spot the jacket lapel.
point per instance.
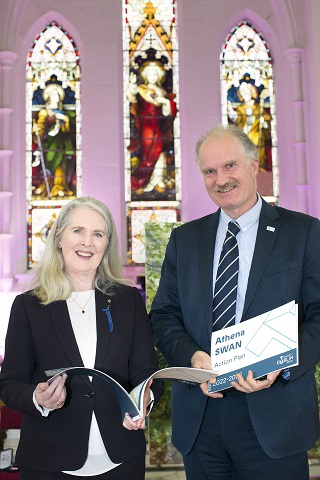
(61, 320)
(104, 325)
(267, 233)
(207, 243)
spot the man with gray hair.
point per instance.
(259, 428)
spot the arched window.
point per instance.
(53, 131)
(151, 118)
(248, 100)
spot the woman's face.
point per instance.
(83, 244)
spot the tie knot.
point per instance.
(233, 228)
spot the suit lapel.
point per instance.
(61, 320)
(207, 243)
(104, 327)
(267, 233)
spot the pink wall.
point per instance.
(289, 28)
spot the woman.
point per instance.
(80, 312)
(54, 139)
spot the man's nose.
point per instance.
(221, 178)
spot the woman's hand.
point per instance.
(130, 424)
(52, 396)
(140, 423)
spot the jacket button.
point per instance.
(89, 395)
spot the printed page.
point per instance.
(133, 402)
(263, 344)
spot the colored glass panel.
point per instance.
(40, 221)
(151, 105)
(248, 99)
(137, 218)
(53, 124)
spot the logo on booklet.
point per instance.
(285, 359)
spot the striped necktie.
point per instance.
(225, 292)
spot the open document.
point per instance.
(263, 344)
(133, 402)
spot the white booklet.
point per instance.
(263, 344)
(133, 402)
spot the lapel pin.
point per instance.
(108, 313)
(270, 229)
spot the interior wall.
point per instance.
(289, 28)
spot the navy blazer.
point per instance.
(285, 267)
(41, 338)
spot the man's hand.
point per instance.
(202, 360)
(250, 384)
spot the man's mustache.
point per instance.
(224, 188)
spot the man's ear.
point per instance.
(255, 166)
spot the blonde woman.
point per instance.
(79, 312)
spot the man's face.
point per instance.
(229, 177)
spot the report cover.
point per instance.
(263, 344)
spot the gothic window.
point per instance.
(248, 100)
(53, 131)
(151, 118)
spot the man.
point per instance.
(258, 429)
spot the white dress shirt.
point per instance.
(248, 223)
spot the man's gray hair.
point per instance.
(219, 131)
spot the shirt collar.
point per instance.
(247, 219)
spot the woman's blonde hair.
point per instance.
(50, 280)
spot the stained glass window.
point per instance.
(248, 99)
(138, 217)
(151, 113)
(53, 131)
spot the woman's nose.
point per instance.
(86, 240)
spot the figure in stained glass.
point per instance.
(53, 146)
(249, 111)
(153, 111)
(248, 98)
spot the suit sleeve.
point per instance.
(16, 382)
(143, 361)
(169, 331)
(309, 308)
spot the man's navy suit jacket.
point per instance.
(285, 267)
